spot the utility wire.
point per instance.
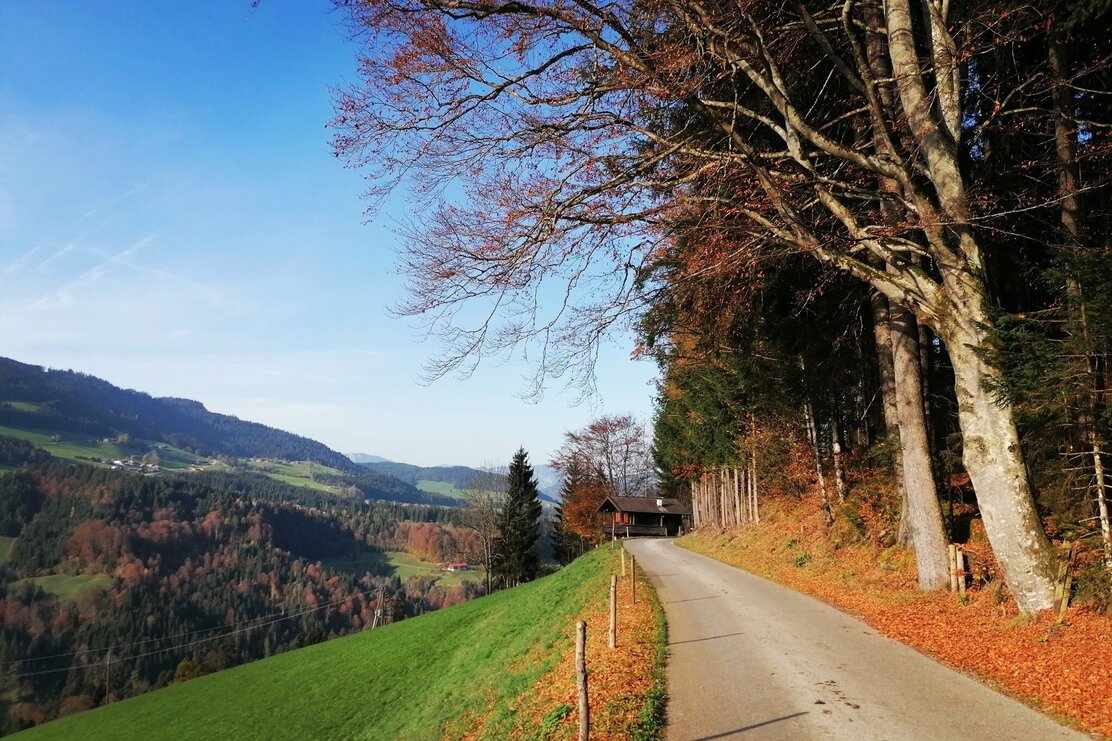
(183, 645)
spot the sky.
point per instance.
(172, 220)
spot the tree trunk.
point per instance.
(923, 516)
(753, 488)
(1072, 217)
(836, 449)
(995, 465)
(813, 436)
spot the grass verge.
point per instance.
(626, 684)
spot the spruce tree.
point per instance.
(515, 553)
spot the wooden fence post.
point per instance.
(1064, 581)
(961, 570)
(581, 680)
(613, 611)
(633, 576)
(952, 557)
(623, 562)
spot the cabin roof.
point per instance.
(644, 504)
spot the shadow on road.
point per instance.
(755, 726)
(708, 638)
(692, 599)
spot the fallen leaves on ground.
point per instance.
(618, 679)
(1064, 669)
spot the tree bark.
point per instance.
(996, 467)
(813, 437)
(836, 450)
(923, 519)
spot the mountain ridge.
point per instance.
(33, 396)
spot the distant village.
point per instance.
(135, 464)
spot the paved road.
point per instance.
(753, 660)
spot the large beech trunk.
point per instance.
(995, 465)
(922, 513)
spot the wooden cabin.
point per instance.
(644, 516)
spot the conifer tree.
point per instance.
(515, 552)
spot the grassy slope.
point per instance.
(295, 473)
(444, 488)
(455, 671)
(73, 446)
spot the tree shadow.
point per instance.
(708, 638)
(752, 727)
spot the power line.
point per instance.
(184, 645)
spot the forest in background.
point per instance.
(115, 583)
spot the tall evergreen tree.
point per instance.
(515, 553)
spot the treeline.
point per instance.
(460, 477)
(383, 486)
(15, 452)
(182, 575)
(65, 400)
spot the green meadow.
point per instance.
(87, 449)
(295, 473)
(402, 565)
(454, 671)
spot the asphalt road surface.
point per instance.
(753, 660)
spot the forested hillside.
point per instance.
(114, 583)
(461, 477)
(32, 397)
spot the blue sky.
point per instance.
(172, 220)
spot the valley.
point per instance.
(184, 544)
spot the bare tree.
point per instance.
(485, 495)
(612, 452)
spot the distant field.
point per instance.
(77, 447)
(406, 565)
(295, 474)
(403, 565)
(25, 406)
(443, 488)
(440, 487)
(5, 548)
(456, 578)
(65, 585)
(459, 671)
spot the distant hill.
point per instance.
(33, 397)
(549, 481)
(457, 477)
(366, 458)
(461, 477)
